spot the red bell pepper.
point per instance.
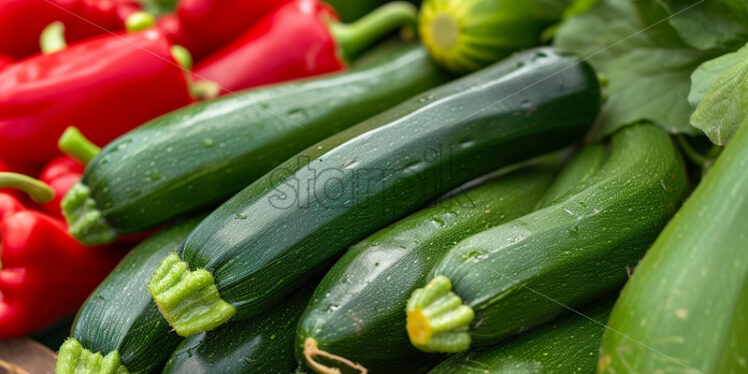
(105, 86)
(299, 39)
(61, 173)
(38, 258)
(202, 26)
(5, 61)
(4, 168)
(22, 21)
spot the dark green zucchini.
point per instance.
(289, 225)
(583, 166)
(261, 345)
(685, 310)
(567, 345)
(200, 155)
(523, 273)
(357, 310)
(119, 328)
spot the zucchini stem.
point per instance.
(84, 219)
(73, 358)
(437, 320)
(189, 300)
(311, 350)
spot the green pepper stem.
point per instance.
(39, 191)
(189, 300)
(182, 56)
(74, 144)
(437, 320)
(204, 90)
(52, 38)
(355, 37)
(73, 358)
(139, 21)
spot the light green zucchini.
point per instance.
(685, 310)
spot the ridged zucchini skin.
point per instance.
(686, 307)
(120, 318)
(357, 310)
(567, 345)
(258, 345)
(269, 238)
(578, 249)
(200, 155)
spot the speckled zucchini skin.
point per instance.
(120, 315)
(356, 312)
(577, 249)
(686, 307)
(259, 345)
(200, 155)
(283, 229)
(568, 345)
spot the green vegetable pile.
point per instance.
(481, 203)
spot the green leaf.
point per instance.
(724, 108)
(648, 68)
(649, 85)
(705, 75)
(709, 24)
(576, 8)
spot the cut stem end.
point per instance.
(437, 320)
(86, 222)
(188, 299)
(73, 359)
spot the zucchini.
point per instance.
(356, 311)
(464, 36)
(569, 344)
(523, 273)
(686, 307)
(200, 155)
(581, 168)
(119, 327)
(289, 225)
(259, 345)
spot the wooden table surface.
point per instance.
(25, 356)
